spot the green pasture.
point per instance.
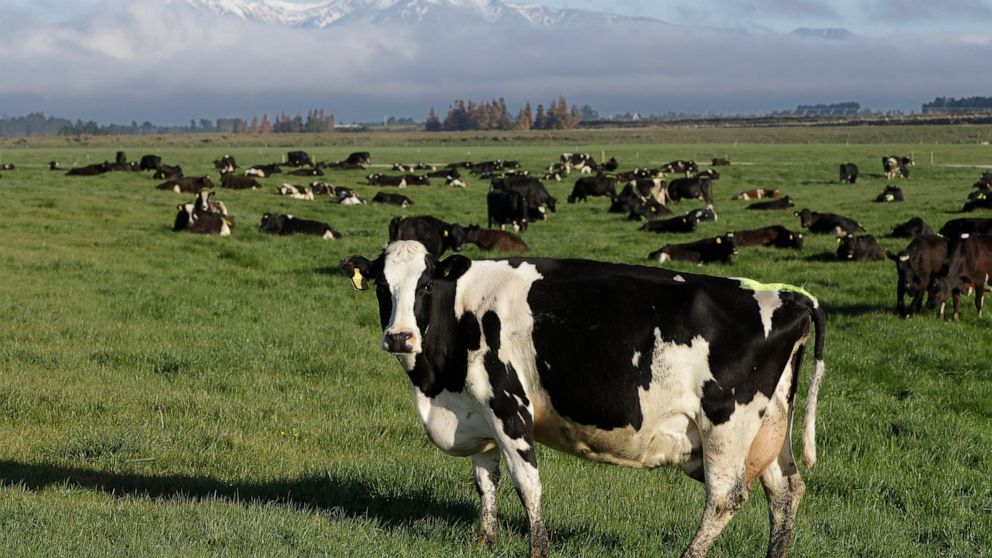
(166, 394)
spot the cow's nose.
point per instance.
(397, 342)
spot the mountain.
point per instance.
(828, 34)
(331, 13)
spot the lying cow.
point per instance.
(187, 184)
(896, 166)
(775, 236)
(416, 180)
(718, 249)
(862, 248)
(190, 219)
(309, 171)
(684, 224)
(392, 199)
(436, 235)
(287, 224)
(687, 167)
(916, 267)
(295, 192)
(890, 194)
(504, 354)
(720, 162)
(227, 163)
(299, 159)
(168, 172)
(782, 203)
(500, 241)
(359, 158)
(849, 173)
(379, 179)
(704, 213)
(54, 166)
(234, 182)
(969, 266)
(205, 203)
(911, 229)
(981, 201)
(827, 223)
(968, 225)
(90, 170)
(263, 171)
(758, 194)
(150, 162)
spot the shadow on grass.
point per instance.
(823, 257)
(855, 310)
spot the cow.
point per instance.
(775, 236)
(150, 162)
(641, 189)
(263, 171)
(436, 235)
(863, 248)
(954, 228)
(827, 223)
(720, 162)
(849, 173)
(690, 189)
(599, 185)
(392, 199)
(611, 165)
(782, 203)
(90, 170)
(507, 207)
(166, 172)
(416, 180)
(915, 267)
(295, 192)
(969, 266)
(717, 249)
(709, 174)
(911, 229)
(190, 219)
(687, 167)
(283, 225)
(7, 166)
(379, 179)
(757, 194)
(234, 182)
(981, 201)
(308, 171)
(982, 190)
(486, 167)
(349, 197)
(324, 189)
(187, 184)
(54, 166)
(359, 159)
(704, 213)
(890, 194)
(454, 182)
(227, 163)
(638, 209)
(533, 190)
(701, 374)
(299, 159)
(500, 241)
(402, 167)
(896, 166)
(205, 203)
(445, 173)
(684, 224)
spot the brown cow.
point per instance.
(500, 241)
(968, 267)
(757, 194)
(775, 236)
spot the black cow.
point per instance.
(532, 189)
(690, 189)
(896, 166)
(227, 163)
(165, 172)
(684, 224)
(287, 224)
(599, 185)
(827, 223)
(235, 182)
(849, 173)
(916, 266)
(187, 184)
(90, 170)
(700, 373)
(981, 201)
(150, 162)
(890, 194)
(299, 159)
(720, 162)
(446, 173)
(507, 208)
(954, 228)
(718, 249)
(379, 179)
(416, 180)
(704, 213)
(311, 171)
(54, 165)
(862, 248)
(436, 235)
(782, 203)
(969, 266)
(775, 236)
(610, 166)
(7, 166)
(392, 199)
(638, 209)
(709, 174)
(359, 158)
(911, 229)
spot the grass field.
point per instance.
(165, 394)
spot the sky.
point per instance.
(123, 60)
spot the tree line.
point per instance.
(950, 104)
(494, 115)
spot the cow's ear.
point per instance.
(452, 268)
(358, 269)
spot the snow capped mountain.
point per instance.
(329, 13)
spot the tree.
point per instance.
(525, 119)
(433, 123)
(540, 119)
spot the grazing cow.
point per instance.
(299, 159)
(690, 189)
(415, 180)
(687, 167)
(360, 159)
(701, 374)
(684, 224)
(720, 162)
(911, 229)
(981, 201)
(188, 184)
(436, 235)
(311, 171)
(166, 172)
(227, 163)
(782, 203)
(862, 248)
(849, 173)
(54, 166)
(234, 182)
(757, 194)
(717, 249)
(379, 179)
(954, 228)
(827, 223)
(599, 185)
(500, 241)
(896, 166)
(969, 266)
(295, 192)
(283, 225)
(150, 162)
(90, 170)
(610, 166)
(890, 194)
(263, 171)
(775, 236)
(190, 219)
(916, 266)
(507, 207)
(533, 190)
(392, 199)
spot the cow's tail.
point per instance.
(809, 424)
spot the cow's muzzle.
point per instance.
(398, 342)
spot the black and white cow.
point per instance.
(191, 219)
(392, 199)
(827, 223)
(684, 224)
(54, 165)
(295, 191)
(306, 171)
(227, 163)
(379, 179)
(168, 172)
(849, 173)
(717, 249)
(890, 194)
(359, 158)
(896, 166)
(263, 171)
(187, 184)
(701, 374)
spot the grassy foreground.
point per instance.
(166, 394)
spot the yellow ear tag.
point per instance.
(356, 280)
(791, 237)
(445, 234)
(719, 240)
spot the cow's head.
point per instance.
(796, 240)
(805, 217)
(939, 289)
(407, 278)
(908, 280)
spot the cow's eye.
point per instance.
(426, 289)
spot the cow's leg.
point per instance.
(522, 464)
(956, 316)
(916, 305)
(979, 297)
(486, 471)
(784, 488)
(725, 494)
